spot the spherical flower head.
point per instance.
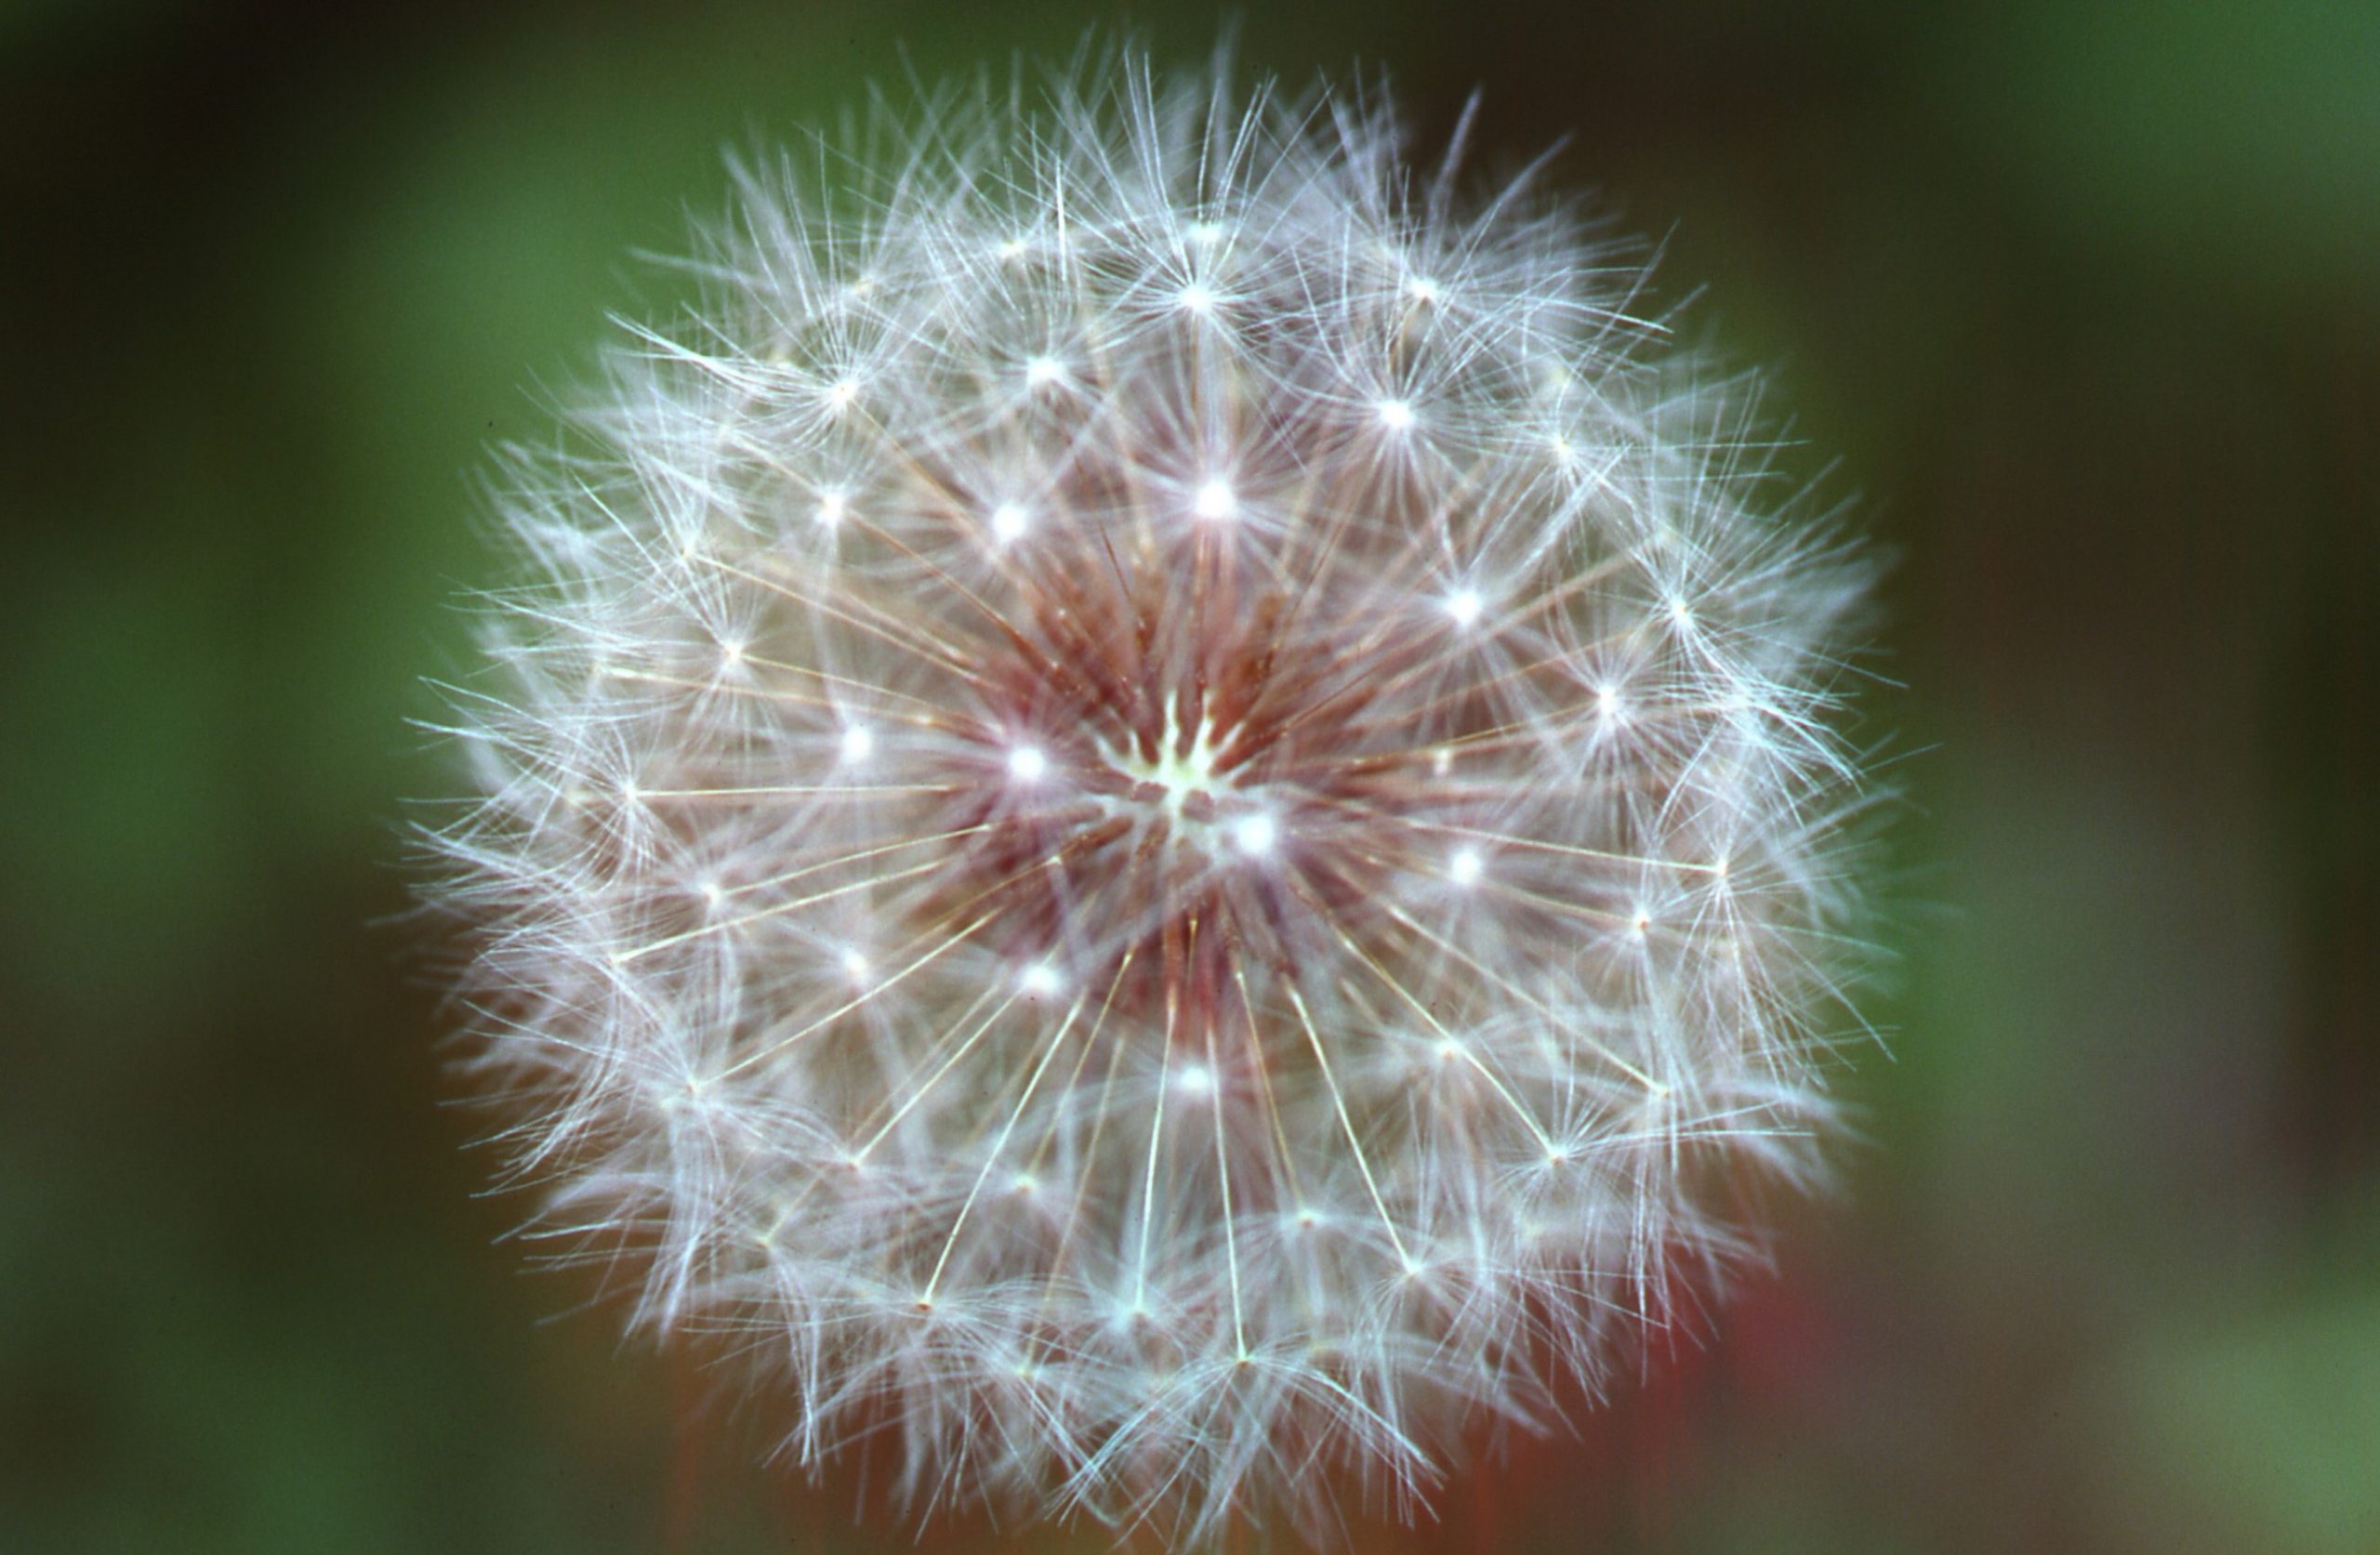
(1161, 815)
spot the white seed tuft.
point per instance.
(1214, 500)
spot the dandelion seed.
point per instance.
(1237, 1120)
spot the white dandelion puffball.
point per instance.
(1164, 816)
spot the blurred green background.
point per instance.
(2086, 297)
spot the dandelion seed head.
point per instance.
(1142, 972)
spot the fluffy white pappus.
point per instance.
(1163, 816)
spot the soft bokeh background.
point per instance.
(2086, 297)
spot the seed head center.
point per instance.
(1194, 802)
(1179, 774)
